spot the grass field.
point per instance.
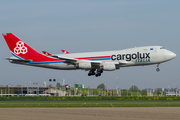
(107, 103)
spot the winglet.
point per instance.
(65, 52)
(46, 53)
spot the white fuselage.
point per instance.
(137, 56)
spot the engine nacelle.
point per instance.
(84, 65)
(109, 67)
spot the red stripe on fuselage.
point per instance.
(49, 59)
(94, 57)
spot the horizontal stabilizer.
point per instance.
(17, 60)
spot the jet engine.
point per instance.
(109, 66)
(84, 65)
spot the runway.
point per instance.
(126, 113)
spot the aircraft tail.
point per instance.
(21, 50)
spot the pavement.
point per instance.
(107, 113)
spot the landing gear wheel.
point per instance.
(157, 69)
(96, 75)
(91, 72)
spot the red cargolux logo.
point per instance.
(20, 48)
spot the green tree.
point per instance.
(158, 93)
(58, 85)
(125, 93)
(101, 86)
(144, 93)
(84, 92)
(134, 88)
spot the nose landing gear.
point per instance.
(157, 69)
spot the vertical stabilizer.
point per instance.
(22, 50)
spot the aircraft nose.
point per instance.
(171, 55)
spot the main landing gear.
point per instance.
(98, 72)
(91, 72)
(157, 69)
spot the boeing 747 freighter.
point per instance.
(94, 62)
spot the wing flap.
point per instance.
(65, 58)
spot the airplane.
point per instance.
(94, 62)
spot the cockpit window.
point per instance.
(161, 47)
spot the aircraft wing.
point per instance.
(63, 58)
(67, 59)
(74, 60)
(95, 63)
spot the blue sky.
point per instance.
(85, 26)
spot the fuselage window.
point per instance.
(161, 47)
